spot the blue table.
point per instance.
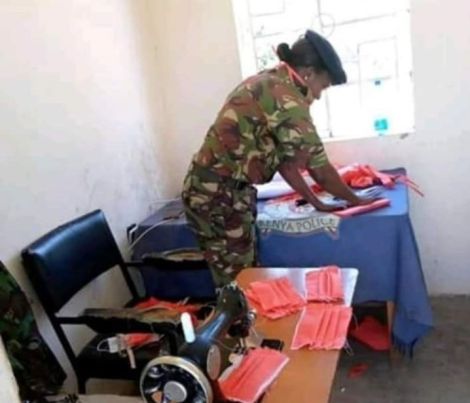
(380, 244)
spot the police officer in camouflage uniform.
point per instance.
(264, 127)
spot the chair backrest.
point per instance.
(66, 259)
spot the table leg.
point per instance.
(394, 353)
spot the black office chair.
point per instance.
(61, 263)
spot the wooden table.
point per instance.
(308, 377)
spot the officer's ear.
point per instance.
(309, 74)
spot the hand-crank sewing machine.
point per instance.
(189, 376)
(197, 356)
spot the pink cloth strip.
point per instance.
(378, 204)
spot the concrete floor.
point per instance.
(438, 373)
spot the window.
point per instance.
(372, 38)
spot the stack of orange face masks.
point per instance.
(250, 379)
(323, 324)
(274, 298)
(322, 327)
(324, 285)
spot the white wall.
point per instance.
(81, 126)
(196, 50)
(436, 155)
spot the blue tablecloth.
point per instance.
(380, 244)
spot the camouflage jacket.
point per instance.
(264, 121)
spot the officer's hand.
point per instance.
(327, 208)
(319, 206)
(365, 201)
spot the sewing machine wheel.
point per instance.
(176, 380)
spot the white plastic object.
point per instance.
(114, 345)
(188, 328)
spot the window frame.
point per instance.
(249, 62)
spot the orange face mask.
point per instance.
(322, 327)
(274, 298)
(324, 285)
(257, 370)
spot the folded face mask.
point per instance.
(324, 285)
(322, 327)
(274, 298)
(253, 375)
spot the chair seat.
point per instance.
(98, 364)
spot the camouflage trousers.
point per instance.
(223, 220)
(37, 371)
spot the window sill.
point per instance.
(400, 136)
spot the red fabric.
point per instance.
(357, 370)
(293, 74)
(274, 298)
(378, 204)
(322, 327)
(175, 306)
(359, 176)
(408, 182)
(372, 333)
(256, 372)
(325, 285)
(139, 339)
